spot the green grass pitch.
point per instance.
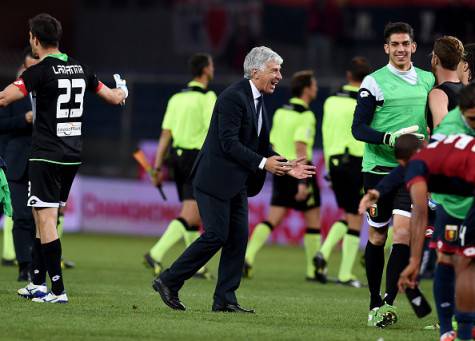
(111, 299)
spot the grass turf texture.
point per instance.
(111, 299)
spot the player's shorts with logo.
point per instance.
(50, 183)
(446, 232)
(397, 202)
(467, 234)
(181, 164)
(284, 189)
(347, 181)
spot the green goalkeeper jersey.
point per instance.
(292, 123)
(401, 98)
(453, 123)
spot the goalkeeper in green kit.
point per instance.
(391, 102)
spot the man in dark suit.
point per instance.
(16, 123)
(230, 167)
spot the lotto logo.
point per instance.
(56, 278)
(364, 94)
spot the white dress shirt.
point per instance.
(256, 94)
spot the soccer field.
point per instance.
(111, 299)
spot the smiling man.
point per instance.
(230, 167)
(391, 102)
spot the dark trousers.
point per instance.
(226, 226)
(23, 222)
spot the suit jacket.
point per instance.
(17, 136)
(229, 159)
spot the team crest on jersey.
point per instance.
(451, 233)
(364, 94)
(373, 210)
(18, 82)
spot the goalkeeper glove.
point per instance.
(390, 138)
(121, 84)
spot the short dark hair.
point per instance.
(300, 81)
(406, 146)
(359, 68)
(198, 62)
(450, 51)
(467, 97)
(46, 29)
(469, 58)
(397, 27)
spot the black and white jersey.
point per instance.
(58, 84)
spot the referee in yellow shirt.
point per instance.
(343, 157)
(186, 123)
(292, 136)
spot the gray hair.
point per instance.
(257, 58)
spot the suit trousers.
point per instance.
(23, 222)
(225, 227)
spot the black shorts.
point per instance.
(467, 234)
(347, 181)
(397, 202)
(49, 183)
(284, 189)
(181, 164)
(446, 232)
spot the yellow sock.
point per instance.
(8, 246)
(259, 237)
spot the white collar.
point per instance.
(399, 72)
(255, 93)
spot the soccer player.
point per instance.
(58, 83)
(447, 54)
(186, 122)
(391, 102)
(450, 212)
(292, 136)
(443, 167)
(343, 157)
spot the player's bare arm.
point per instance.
(163, 144)
(114, 96)
(10, 94)
(438, 103)
(418, 193)
(301, 152)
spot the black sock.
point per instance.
(374, 259)
(398, 260)
(52, 254)
(38, 264)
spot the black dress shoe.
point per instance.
(231, 308)
(168, 297)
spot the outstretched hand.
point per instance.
(369, 199)
(277, 165)
(408, 277)
(301, 170)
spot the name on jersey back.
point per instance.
(68, 69)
